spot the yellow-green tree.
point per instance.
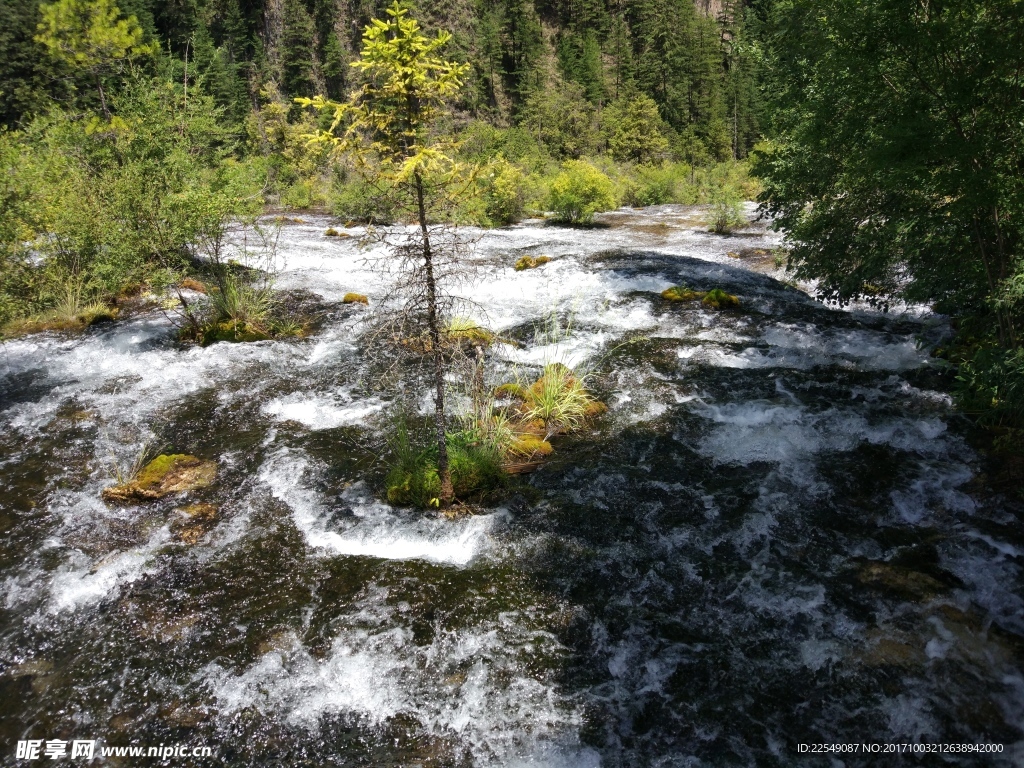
(385, 125)
(92, 36)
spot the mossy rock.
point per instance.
(233, 331)
(886, 648)
(191, 284)
(530, 262)
(530, 445)
(332, 232)
(681, 293)
(516, 391)
(719, 299)
(463, 331)
(194, 521)
(354, 298)
(164, 475)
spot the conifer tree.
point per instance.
(386, 125)
(91, 35)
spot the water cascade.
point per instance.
(776, 535)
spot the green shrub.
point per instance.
(504, 193)
(354, 199)
(481, 142)
(726, 212)
(658, 185)
(412, 479)
(991, 385)
(300, 195)
(580, 191)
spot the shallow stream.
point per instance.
(777, 535)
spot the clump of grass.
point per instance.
(332, 232)
(239, 311)
(72, 310)
(559, 401)
(413, 480)
(127, 472)
(530, 262)
(354, 298)
(243, 304)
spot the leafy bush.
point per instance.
(355, 199)
(580, 191)
(658, 184)
(480, 142)
(302, 194)
(726, 211)
(106, 203)
(504, 193)
(991, 385)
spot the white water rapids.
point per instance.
(775, 534)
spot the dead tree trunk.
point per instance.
(437, 351)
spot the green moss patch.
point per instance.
(719, 299)
(681, 293)
(164, 475)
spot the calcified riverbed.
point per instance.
(776, 535)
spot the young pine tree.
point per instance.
(385, 126)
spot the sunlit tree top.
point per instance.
(406, 85)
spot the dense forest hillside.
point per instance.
(539, 60)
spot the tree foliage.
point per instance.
(899, 146)
(898, 161)
(91, 35)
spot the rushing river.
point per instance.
(777, 535)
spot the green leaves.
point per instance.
(580, 191)
(90, 34)
(898, 130)
(406, 85)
